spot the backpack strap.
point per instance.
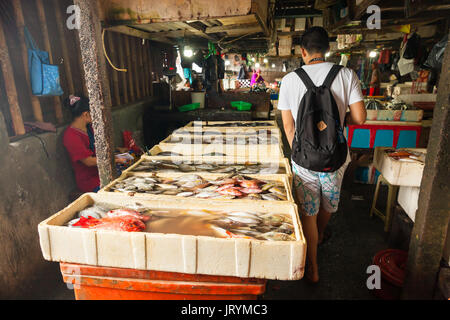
(331, 75)
(305, 78)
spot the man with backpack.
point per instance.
(314, 100)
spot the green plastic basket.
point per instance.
(241, 105)
(189, 107)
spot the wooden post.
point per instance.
(432, 217)
(141, 68)
(97, 84)
(150, 66)
(130, 68)
(60, 23)
(144, 69)
(48, 48)
(122, 65)
(20, 23)
(115, 76)
(10, 85)
(134, 58)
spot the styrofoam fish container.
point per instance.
(226, 131)
(245, 258)
(399, 173)
(284, 179)
(408, 198)
(250, 153)
(207, 124)
(282, 163)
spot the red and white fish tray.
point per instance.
(245, 258)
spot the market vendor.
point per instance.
(79, 142)
(256, 78)
(375, 80)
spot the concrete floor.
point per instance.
(343, 260)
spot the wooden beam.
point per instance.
(130, 68)
(10, 85)
(133, 32)
(140, 61)
(48, 48)
(114, 74)
(361, 9)
(20, 23)
(232, 27)
(60, 23)
(97, 83)
(433, 212)
(123, 75)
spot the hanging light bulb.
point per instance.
(266, 60)
(372, 54)
(257, 65)
(188, 52)
(327, 54)
(273, 65)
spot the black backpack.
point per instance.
(319, 143)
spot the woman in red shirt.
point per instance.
(79, 142)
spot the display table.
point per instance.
(395, 134)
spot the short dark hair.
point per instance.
(315, 40)
(77, 106)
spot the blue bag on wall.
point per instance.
(44, 77)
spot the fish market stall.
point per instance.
(212, 165)
(113, 230)
(203, 186)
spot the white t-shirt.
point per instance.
(345, 88)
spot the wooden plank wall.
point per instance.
(125, 52)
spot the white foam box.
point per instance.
(245, 258)
(399, 173)
(207, 124)
(215, 139)
(284, 179)
(408, 199)
(249, 153)
(282, 163)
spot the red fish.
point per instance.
(123, 223)
(251, 184)
(86, 222)
(225, 186)
(233, 191)
(250, 190)
(127, 212)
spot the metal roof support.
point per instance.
(97, 84)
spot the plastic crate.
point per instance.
(241, 105)
(189, 107)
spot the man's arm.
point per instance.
(357, 114)
(288, 125)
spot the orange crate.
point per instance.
(105, 283)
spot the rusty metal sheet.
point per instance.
(149, 11)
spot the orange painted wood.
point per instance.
(91, 282)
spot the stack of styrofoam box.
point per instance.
(407, 175)
(283, 260)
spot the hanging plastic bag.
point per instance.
(130, 143)
(44, 77)
(434, 60)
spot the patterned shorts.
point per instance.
(315, 189)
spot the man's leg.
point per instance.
(322, 220)
(309, 224)
(307, 190)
